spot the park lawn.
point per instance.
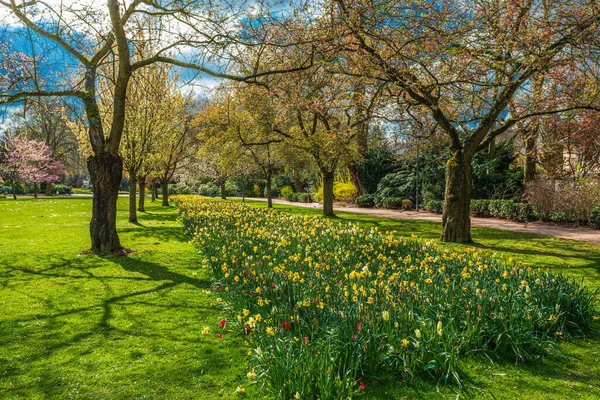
(77, 325)
(574, 373)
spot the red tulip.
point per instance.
(358, 326)
(222, 323)
(362, 385)
(286, 325)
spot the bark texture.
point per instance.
(142, 185)
(456, 219)
(269, 191)
(106, 173)
(165, 194)
(132, 199)
(328, 178)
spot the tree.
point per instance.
(464, 65)
(93, 34)
(221, 154)
(30, 161)
(44, 121)
(153, 106)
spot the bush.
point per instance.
(397, 185)
(563, 201)
(303, 197)
(502, 209)
(287, 193)
(395, 203)
(5, 189)
(62, 189)
(81, 191)
(435, 206)
(179, 188)
(595, 217)
(344, 191)
(480, 208)
(333, 304)
(407, 204)
(208, 189)
(365, 201)
(376, 164)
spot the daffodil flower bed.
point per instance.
(326, 306)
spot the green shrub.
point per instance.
(365, 201)
(377, 163)
(435, 206)
(5, 189)
(397, 185)
(179, 188)
(81, 191)
(208, 189)
(480, 208)
(561, 217)
(395, 203)
(62, 189)
(303, 197)
(595, 217)
(287, 193)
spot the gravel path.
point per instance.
(538, 228)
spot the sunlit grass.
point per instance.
(82, 326)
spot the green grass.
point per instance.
(84, 326)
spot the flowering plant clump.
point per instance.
(327, 306)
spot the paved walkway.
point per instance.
(538, 228)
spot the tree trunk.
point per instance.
(165, 194)
(269, 191)
(456, 219)
(35, 190)
(14, 190)
(222, 187)
(48, 189)
(297, 181)
(142, 185)
(154, 192)
(530, 157)
(328, 178)
(355, 178)
(105, 173)
(132, 199)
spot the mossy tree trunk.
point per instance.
(456, 219)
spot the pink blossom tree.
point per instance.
(30, 161)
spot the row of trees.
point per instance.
(320, 75)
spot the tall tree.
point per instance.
(92, 34)
(464, 63)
